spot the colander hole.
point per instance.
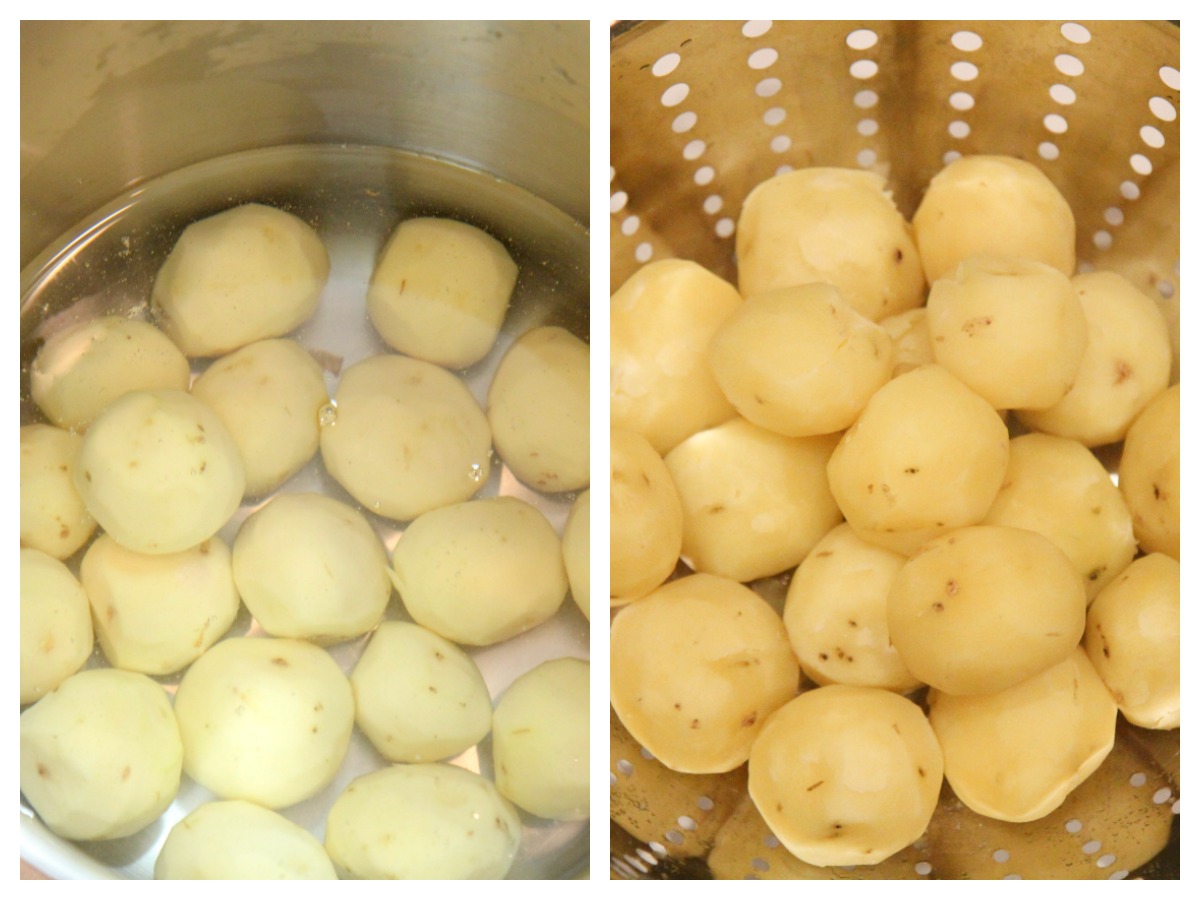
(958, 129)
(1074, 826)
(1119, 875)
(1091, 847)
(637, 864)
(964, 71)
(623, 869)
(950, 156)
(763, 58)
(768, 87)
(687, 823)
(962, 101)
(630, 225)
(774, 115)
(1055, 123)
(646, 754)
(759, 864)
(771, 841)
(1152, 137)
(694, 149)
(866, 158)
(704, 175)
(665, 65)
(966, 41)
(1000, 856)
(625, 767)
(1166, 290)
(784, 169)
(1062, 94)
(1048, 150)
(1130, 191)
(1140, 164)
(781, 143)
(713, 204)
(675, 94)
(643, 252)
(862, 39)
(685, 121)
(1102, 239)
(612, 174)
(1068, 64)
(675, 837)
(756, 28)
(865, 99)
(1162, 795)
(1013, 877)
(724, 227)
(1084, 266)
(1175, 807)
(1113, 216)
(617, 202)
(1075, 33)
(867, 127)
(647, 856)
(863, 69)
(1170, 77)
(612, 779)
(705, 803)
(1163, 109)
(1105, 861)
(657, 848)
(923, 868)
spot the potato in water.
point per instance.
(645, 518)
(159, 472)
(422, 821)
(1015, 754)
(242, 275)
(1149, 474)
(845, 775)
(696, 668)
(101, 755)
(237, 840)
(53, 517)
(56, 624)
(576, 547)
(440, 290)
(540, 740)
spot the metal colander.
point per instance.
(701, 112)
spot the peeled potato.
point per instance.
(53, 516)
(1016, 754)
(159, 471)
(540, 741)
(242, 275)
(236, 840)
(264, 719)
(982, 608)
(538, 409)
(56, 624)
(422, 821)
(846, 775)
(481, 572)
(996, 205)
(82, 369)
(418, 697)
(1149, 474)
(663, 318)
(1132, 639)
(101, 755)
(269, 395)
(696, 668)
(645, 518)
(576, 547)
(799, 360)
(308, 566)
(837, 226)
(440, 290)
(156, 613)
(406, 437)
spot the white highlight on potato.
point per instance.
(54, 518)
(56, 624)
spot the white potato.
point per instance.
(269, 395)
(1010, 329)
(159, 472)
(577, 556)
(846, 775)
(540, 746)
(264, 719)
(754, 502)
(836, 614)
(100, 755)
(697, 666)
(1149, 474)
(1057, 487)
(481, 572)
(911, 344)
(1014, 755)
(236, 840)
(422, 821)
(985, 607)
(1126, 364)
(838, 226)
(645, 523)
(53, 516)
(538, 409)
(927, 455)
(440, 290)
(156, 613)
(308, 566)
(82, 369)
(996, 205)
(662, 320)
(242, 275)
(1132, 639)
(799, 360)
(418, 697)
(56, 624)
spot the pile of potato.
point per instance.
(138, 466)
(899, 418)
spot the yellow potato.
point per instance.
(1010, 329)
(538, 408)
(996, 205)
(53, 516)
(799, 360)
(846, 775)
(56, 624)
(576, 547)
(837, 226)
(156, 613)
(754, 502)
(269, 395)
(82, 369)
(696, 668)
(440, 290)
(1149, 474)
(1132, 639)
(1016, 754)
(662, 320)
(242, 275)
(645, 518)
(985, 607)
